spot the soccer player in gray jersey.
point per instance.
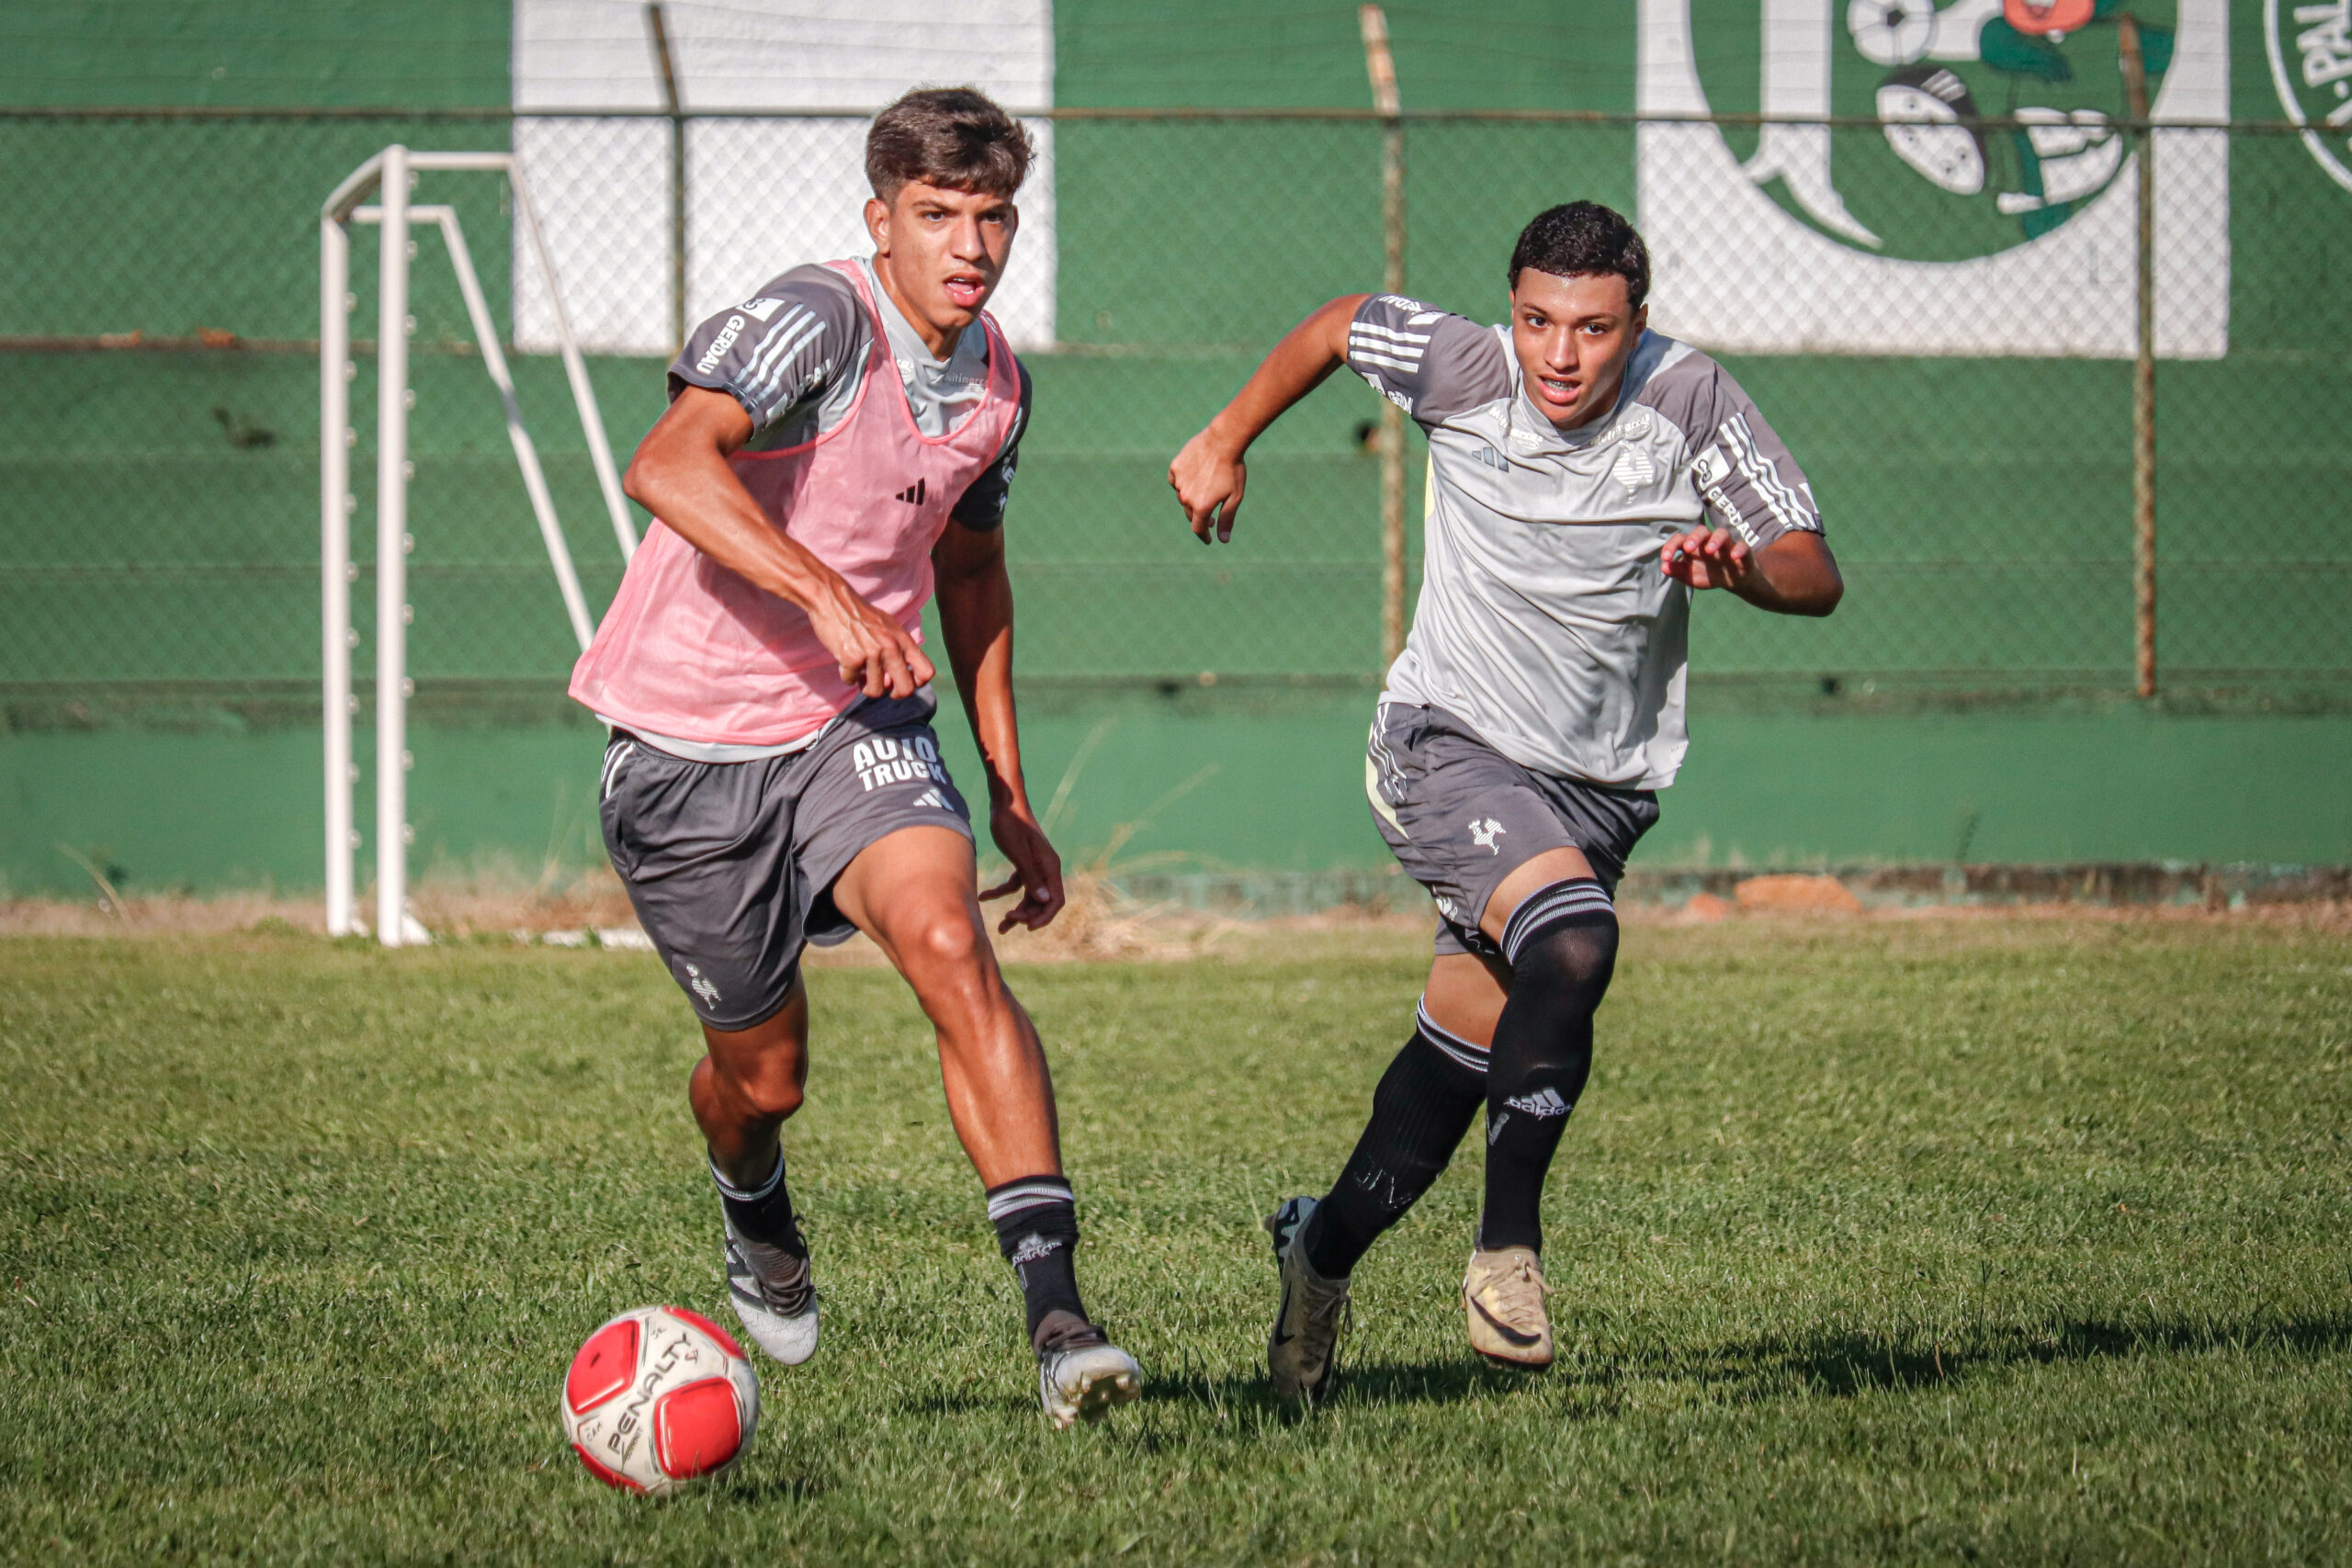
(1587, 476)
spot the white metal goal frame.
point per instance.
(390, 176)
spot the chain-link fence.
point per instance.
(1941, 315)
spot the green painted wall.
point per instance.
(158, 525)
(251, 54)
(1262, 780)
(1309, 54)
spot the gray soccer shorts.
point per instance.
(1459, 817)
(730, 865)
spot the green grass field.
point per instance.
(1880, 1241)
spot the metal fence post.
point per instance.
(2143, 377)
(1381, 66)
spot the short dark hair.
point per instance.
(955, 138)
(1584, 239)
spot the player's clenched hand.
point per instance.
(1036, 869)
(876, 654)
(1707, 557)
(1208, 482)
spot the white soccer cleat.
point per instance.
(775, 1297)
(1081, 1381)
(1502, 1292)
(1306, 1326)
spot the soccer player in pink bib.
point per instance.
(837, 452)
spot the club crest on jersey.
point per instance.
(1634, 469)
(883, 760)
(1483, 834)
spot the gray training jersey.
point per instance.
(1544, 622)
(794, 353)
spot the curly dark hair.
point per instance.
(955, 138)
(1584, 239)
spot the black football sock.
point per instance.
(1422, 1107)
(763, 1213)
(1037, 1226)
(1562, 946)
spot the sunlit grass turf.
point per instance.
(2019, 1242)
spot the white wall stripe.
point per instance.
(764, 195)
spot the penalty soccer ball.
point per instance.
(657, 1397)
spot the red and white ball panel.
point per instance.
(659, 1396)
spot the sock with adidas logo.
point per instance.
(1037, 1228)
(1561, 944)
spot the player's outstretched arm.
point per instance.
(1793, 575)
(975, 599)
(1209, 474)
(680, 474)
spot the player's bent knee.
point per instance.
(1563, 936)
(944, 939)
(768, 1097)
(768, 1090)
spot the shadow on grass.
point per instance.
(1842, 1364)
(1830, 1364)
(1825, 1365)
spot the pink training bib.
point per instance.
(691, 650)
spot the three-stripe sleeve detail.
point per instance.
(765, 377)
(1371, 344)
(1764, 476)
(781, 337)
